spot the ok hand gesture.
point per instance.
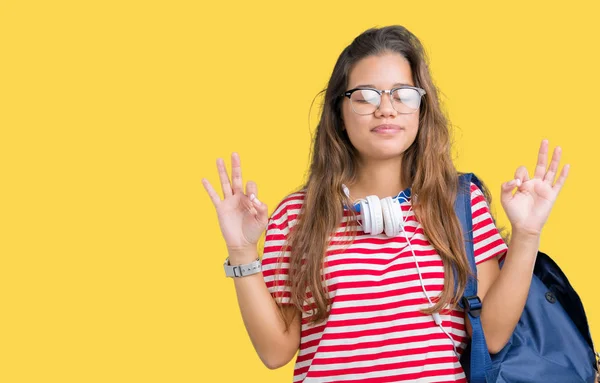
(242, 217)
(529, 207)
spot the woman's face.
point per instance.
(380, 72)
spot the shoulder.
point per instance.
(487, 240)
(278, 228)
(477, 195)
(479, 207)
(286, 212)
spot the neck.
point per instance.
(381, 178)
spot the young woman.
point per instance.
(362, 305)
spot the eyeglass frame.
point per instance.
(348, 94)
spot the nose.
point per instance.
(386, 108)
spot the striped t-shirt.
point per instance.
(375, 331)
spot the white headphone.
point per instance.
(380, 215)
(385, 214)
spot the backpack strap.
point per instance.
(480, 360)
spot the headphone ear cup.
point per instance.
(390, 216)
(366, 216)
(374, 206)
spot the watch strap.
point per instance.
(242, 270)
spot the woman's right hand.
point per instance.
(242, 217)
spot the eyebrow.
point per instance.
(373, 86)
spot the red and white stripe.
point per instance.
(375, 331)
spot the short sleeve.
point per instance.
(487, 242)
(276, 253)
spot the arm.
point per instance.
(274, 345)
(242, 219)
(504, 292)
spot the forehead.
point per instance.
(382, 71)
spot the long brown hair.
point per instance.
(426, 165)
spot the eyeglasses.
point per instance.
(405, 99)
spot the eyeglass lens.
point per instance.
(404, 100)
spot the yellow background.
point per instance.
(111, 113)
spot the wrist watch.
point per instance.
(242, 270)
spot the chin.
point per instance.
(385, 155)
(383, 150)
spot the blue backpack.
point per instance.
(551, 342)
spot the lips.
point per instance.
(386, 128)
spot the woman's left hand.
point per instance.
(529, 207)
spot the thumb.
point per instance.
(507, 188)
(261, 209)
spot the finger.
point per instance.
(522, 175)
(224, 177)
(251, 188)
(562, 178)
(540, 168)
(236, 173)
(551, 173)
(214, 197)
